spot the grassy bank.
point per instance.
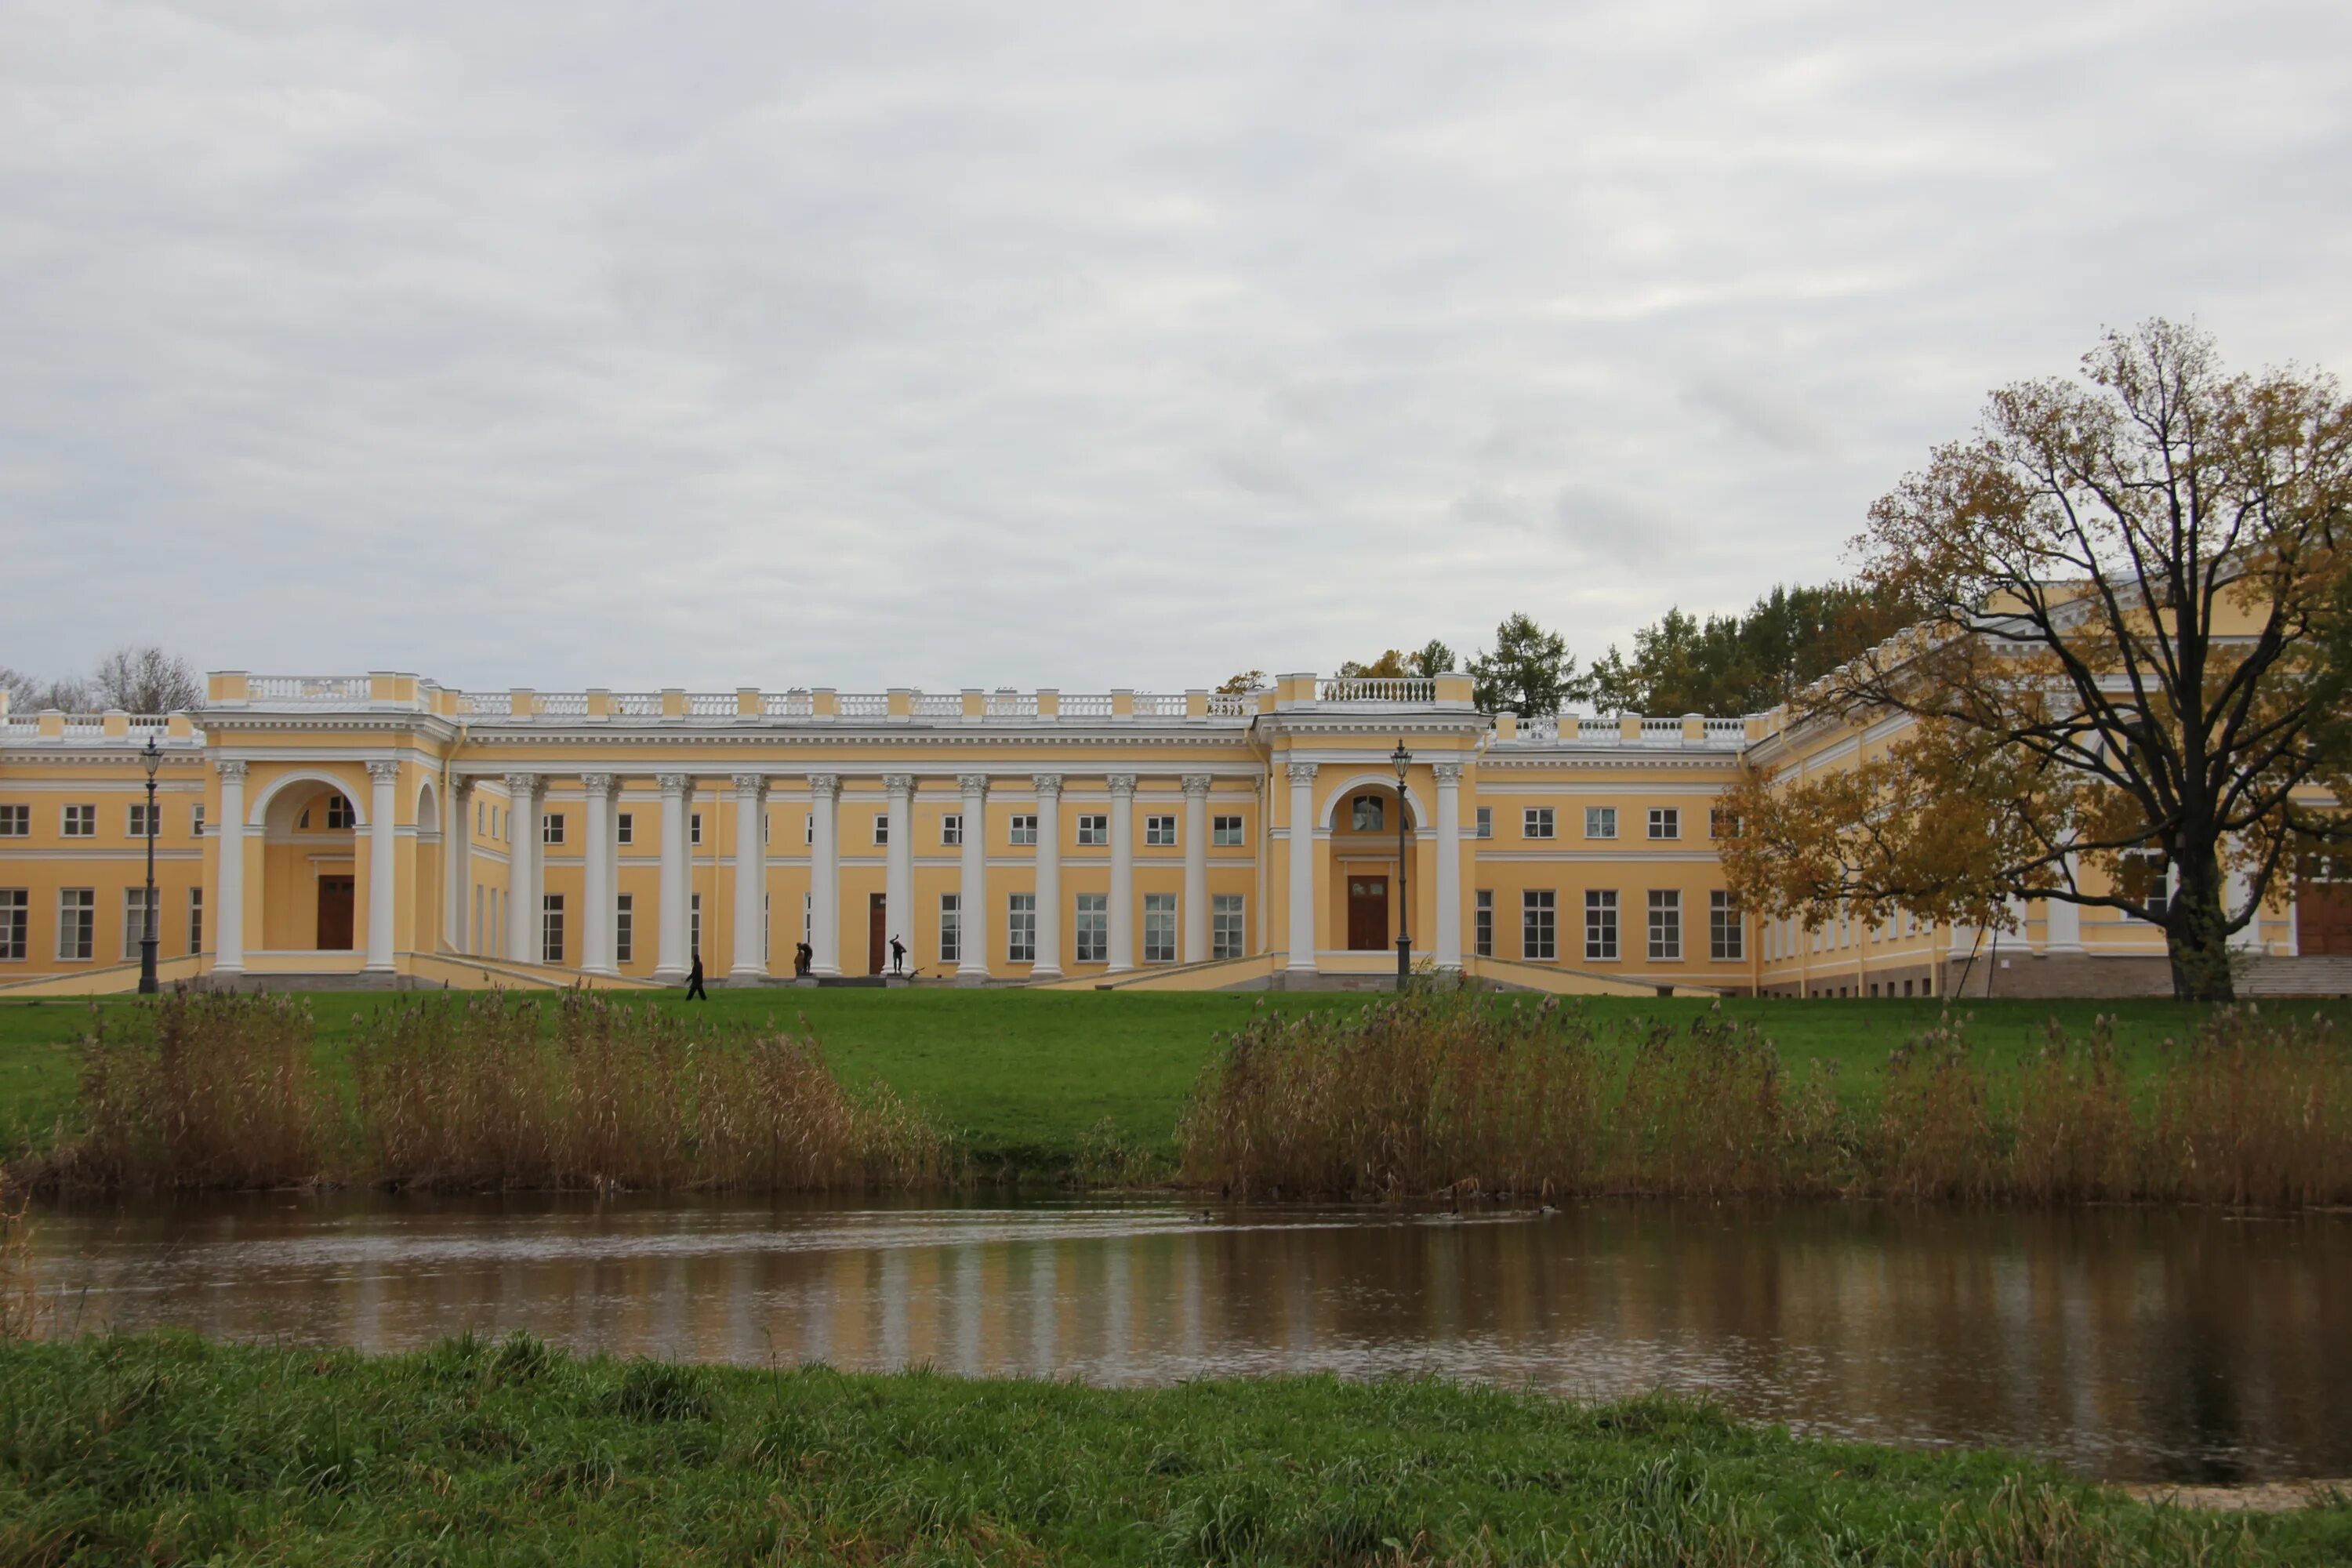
(168, 1449)
(1021, 1079)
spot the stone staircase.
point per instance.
(2296, 977)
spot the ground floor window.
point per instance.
(1723, 939)
(1538, 924)
(1485, 931)
(624, 928)
(694, 925)
(16, 917)
(550, 927)
(1021, 929)
(134, 923)
(1228, 926)
(1601, 924)
(76, 922)
(950, 928)
(1665, 923)
(1158, 928)
(1092, 929)
(195, 921)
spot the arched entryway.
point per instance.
(1367, 902)
(310, 825)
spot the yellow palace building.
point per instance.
(385, 830)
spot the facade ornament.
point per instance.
(898, 783)
(824, 786)
(751, 783)
(598, 783)
(523, 785)
(1447, 773)
(973, 783)
(1122, 784)
(672, 784)
(1196, 783)
(383, 772)
(232, 772)
(1048, 785)
(1303, 772)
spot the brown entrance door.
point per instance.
(1368, 913)
(2322, 909)
(335, 914)
(877, 940)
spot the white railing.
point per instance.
(793, 704)
(1085, 705)
(19, 729)
(560, 705)
(711, 705)
(634, 704)
(938, 704)
(1662, 730)
(1159, 705)
(1375, 688)
(1544, 729)
(483, 704)
(1232, 704)
(1006, 703)
(1733, 729)
(307, 688)
(865, 704)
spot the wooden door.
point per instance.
(1368, 913)
(335, 914)
(2322, 909)
(878, 938)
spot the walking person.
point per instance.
(694, 989)
(898, 956)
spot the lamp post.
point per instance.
(154, 757)
(1403, 760)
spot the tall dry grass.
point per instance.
(1430, 1093)
(481, 1092)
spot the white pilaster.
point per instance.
(751, 878)
(599, 914)
(522, 868)
(1049, 877)
(972, 889)
(1448, 945)
(1196, 868)
(825, 874)
(228, 915)
(1122, 872)
(2062, 922)
(1302, 866)
(899, 862)
(457, 861)
(670, 961)
(382, 859)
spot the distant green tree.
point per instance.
(1241, 685)
(1745, 663)
(1390, 666)
(1530, 672)
(1435, 659)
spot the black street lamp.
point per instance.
(1403, 760)
(154, 757)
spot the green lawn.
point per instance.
(166, 1448)
(1022, 1076)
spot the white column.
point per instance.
(1049, 877)
(670, 961)
(380, 861)
(751, 878)
(457, 857)
(228, 911)
(825, 874)
(523, 869)
(1302, 866)
(973, 890)
(1196, 868)
(2062, 922)
(899, 862)
(1449, 865)
(2237, 892)
(1122, 872)
(598, 912)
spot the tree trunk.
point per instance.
(2197, 936)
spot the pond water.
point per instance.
(2130, 1344)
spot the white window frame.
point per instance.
(1228, 925)
(1537, 822)
(1717, 816)
(951, 830)
(1227, 833)
(15, 821)
(551, 827)
(78, 916)
(196, 822)
(693, 926)
(881, 829)
(338, 804)
(624, 829)
(1023, 829)
(1363, 806)
(1483, 822)
(135, 820)
(1601, 822)
(1159, 913)
(1600, 926)
(1021, 928)
(550, 929)
(1090, 927)
(1482, 925)
(1665, 908)
(1540, 925)
(625, 929)
(77, 822)
(1159, 831)
(950, 928)
(1665, 822)
(694, 829)
(134, 921)
(196, 920)
(15, 924)
(1094, 829)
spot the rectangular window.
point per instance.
(134, 922)
(480, 807)
(196, 823)
(15, 922)
(15, 821)
(1600, 925)
(1665, 923)
(1485, 931)
(951, 828)
(1536, 822)
(476, 945)
(1367, 814)
(808, 828)
(1024, 828)
(1665, 822)
(882, 830)
(76, 922)
(550, 927)
(694, 828)
(1159, 832)
(624, 928)
(767, 829)
(693, 924)
(1538, 925)
(1228, 925)
(1485, 823)
(1021, 929)
(950, 928)
(1093, 928)
(551, 829)
(81, 822)
(339, 817)
(2149, 873)
(1601, 822)
(1094, 829)
(1723, 941)
(1722, 823)
(1158, 928)
(137, 824)
(196, 920)
(625, 830)
(1225, 832)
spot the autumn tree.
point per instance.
(1530, 672)
(1243, 684)
(1432, 658)
(2129, 673)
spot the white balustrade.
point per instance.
(1232, 704)
(1086, 706)
(865, 704)
(1375, 688)
(938, 705)
(711, 705)
(634, 705)
(307, 688)
(794, 704)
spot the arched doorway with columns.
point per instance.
(1366, 899)
(310, 890)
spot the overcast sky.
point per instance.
(1085, 345)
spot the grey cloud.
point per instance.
(1773, 415)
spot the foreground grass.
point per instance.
(170, 1449)
(1021, 1079)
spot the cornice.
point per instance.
(1619, 760)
